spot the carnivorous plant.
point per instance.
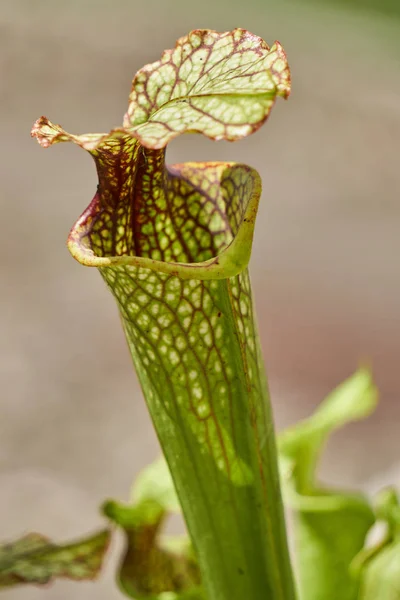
(172, 243)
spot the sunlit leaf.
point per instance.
(155, 483)
(381, 579)
(330, 525)
(223, 85)
(33, 559)
(220, 84)
(380, 565)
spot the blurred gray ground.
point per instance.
(73, 425)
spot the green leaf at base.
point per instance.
(154, 567)
(380, 565)
(155, 483)
(330, 525)
(33, 559)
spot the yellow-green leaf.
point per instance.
(380, 565)
(330, 525)
(155, 483)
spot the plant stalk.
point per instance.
(195, 347)
(173, 245)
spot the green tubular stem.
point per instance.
(202, 376)
(187, 312)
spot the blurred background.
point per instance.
(326, 273)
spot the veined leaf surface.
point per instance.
(34, 559)
(220, 84)
(223, 85)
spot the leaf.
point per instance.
(155, 483)
(380, 565)
(381, 579)
(220, 84)
(302, 444)
(330, 525)
(154, 567)
(33, 559)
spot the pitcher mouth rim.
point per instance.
(231, 261)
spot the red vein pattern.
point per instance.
(178, 330)
(222, 85)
